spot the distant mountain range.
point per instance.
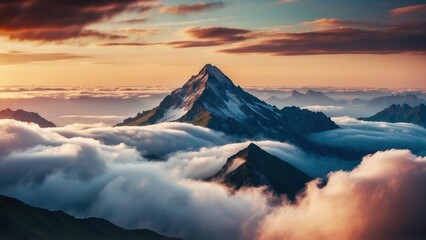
(19, 221)
(304, 99)
(210, 99)
(385, 101)
(313, 98)
(401, 113)
(24, 116)
(254, 167)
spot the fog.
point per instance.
(96, 170)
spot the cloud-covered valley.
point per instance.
(373, 136)
(95, 170)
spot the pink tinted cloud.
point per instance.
(383, 198)
(419, 8)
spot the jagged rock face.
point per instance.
(24, 116)
(306, 121)
(210, 99)
(254, 167)
(401, 113)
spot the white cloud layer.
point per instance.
(373, 136)
(101, 171)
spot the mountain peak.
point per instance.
(296, 93)
(252, 149)
(209, 74)
(208, 66)
(253, 146)
(254, 167)
(401, 113)
(314, 93)
(24, 116)
(210, 99)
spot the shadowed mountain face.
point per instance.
(401, 113)
(306, 121)
(24, 116)
(210, 99)
(19, 221)
(254, 167)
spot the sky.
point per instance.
(256, 43)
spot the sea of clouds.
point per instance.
(102, 171)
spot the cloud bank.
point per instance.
(382, 198)
(85, 177)
(101, 171)
(373, 136)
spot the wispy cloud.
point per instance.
(340, 23)
(25, 57)
(133, 20)
(126, 44)
(419, 8)
(183, 9)
(211, 36)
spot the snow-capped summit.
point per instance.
(209, 79)
(211, 99)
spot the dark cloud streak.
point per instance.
(48, 20)
(184, 9)
(211, 36)
(396, 39)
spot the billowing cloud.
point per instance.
(373, 136)
(383, 198)
(395, 39)
(86, 177)
(101, 171)
(45, 20)
(192, 8)
(419, 8)
(152, 140)
(15, 57)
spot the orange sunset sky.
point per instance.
(257, 43)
